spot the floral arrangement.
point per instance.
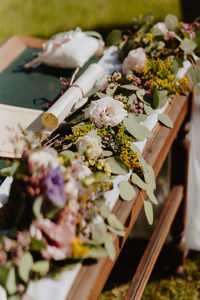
(56, 215)
(171, 38)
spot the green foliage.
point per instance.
(47, 17)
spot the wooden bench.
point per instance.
(91, 278)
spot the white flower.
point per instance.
(46, 158)
(2, 293)
(71, 189)
(106, 111)
(89, 146)
(135, 60)
(79, 169)
(164, 30)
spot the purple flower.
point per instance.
(54, 187)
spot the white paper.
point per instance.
(63, 106)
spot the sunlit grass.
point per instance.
(45, 17)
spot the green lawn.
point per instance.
(43, 18)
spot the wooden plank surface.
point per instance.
(91, 279)
(155, 244)
(14, 46)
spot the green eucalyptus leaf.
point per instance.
(91, 92)
(149, 177)
(116, 231)
(162, 98)
(140, 118)
(10, 171)
(137, 130)
(165, 119)
(117, 166)
(171, 21)
(129, 87)
(188, 45)
(41, 267)
(110, 249)
(99, 232)
(25, 266)
(151, 196)
(94, 134)
(105, 210)
(114, 38)
(140, 94)
(114, 222)
(134, 148)
(155, 98)
(37, 245)
(194, 75)
(3, 275)
(37, 204)
(15, 297)
(126, 191)
(107, 153)
(175, 66)
(197, 90)
(138, 181)
(111, 89)
(148, 211)
(156, 32)
(96, 252)
(69, 154)
(148, 109)
(10, 284)
(100, 95)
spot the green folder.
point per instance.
(33, 88)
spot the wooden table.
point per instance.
(91, 278)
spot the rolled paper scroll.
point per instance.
(63, 106)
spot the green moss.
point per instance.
(185, 287)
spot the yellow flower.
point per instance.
(77, 247)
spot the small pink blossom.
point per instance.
(57, 237)
(168, 34)
(79, 169)
(135, 61)
(188, 28)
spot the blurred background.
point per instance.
(43, 18)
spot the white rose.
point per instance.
(106, 111)
(46, 158)
(164, 30)
(135, 60)
(90, 146)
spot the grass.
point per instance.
(43, 18)
(163, 287)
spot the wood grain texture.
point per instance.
(14, 46)
(155, 244)
(91, 279)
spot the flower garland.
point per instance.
(55, 215)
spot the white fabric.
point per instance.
(192, 234)
(70, 54)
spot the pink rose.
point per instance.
(135, 60)
(57, 237)
(168, 34)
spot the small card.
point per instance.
(13, 117)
